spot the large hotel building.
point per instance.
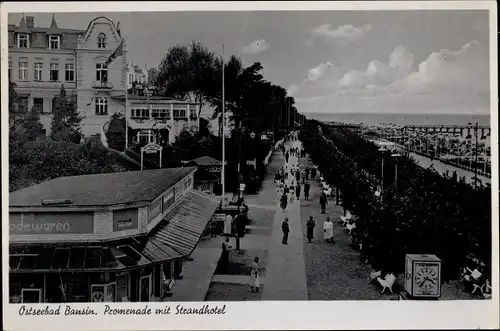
(42, 59)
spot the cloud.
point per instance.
(452, 81)
(255, 47)
(378, 73)
(343, 32)
(318, 71)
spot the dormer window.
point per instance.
(101, 40)
(54, 42)
(22, 40)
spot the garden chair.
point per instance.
(387, 282)
(345, 219)
(350, 226)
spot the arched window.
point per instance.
(101, 40)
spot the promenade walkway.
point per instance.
(441, 167)
(285, 275)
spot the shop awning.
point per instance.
(174, 238)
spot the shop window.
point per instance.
(31, 295)
(103, 292)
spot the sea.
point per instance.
(373, 119)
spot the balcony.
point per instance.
(100, 85)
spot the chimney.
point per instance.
(30, 21)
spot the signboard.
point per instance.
(151, 148)
(242, 187)
(155, 208)
(125, 219)
(251, 162)
(266, 137)
(51, 223)
(218, 217)
(168, 200)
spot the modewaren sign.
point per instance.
(51, 223)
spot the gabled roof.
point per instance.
(206, 161)
(23, 27)
(54, 29)
(101, 189)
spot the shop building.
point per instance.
(112, 237)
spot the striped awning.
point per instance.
(174, 238)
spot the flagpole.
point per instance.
(223, 174)
(126, 102)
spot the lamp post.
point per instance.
(396, 155)
(475, 155)
(382, 150)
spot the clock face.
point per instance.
(426, 279)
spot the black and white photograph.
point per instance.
(222, 156)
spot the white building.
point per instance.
(41, 60)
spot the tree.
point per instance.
(116, 132)
(33, 128)
(66, 119)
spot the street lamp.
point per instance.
(382, 150)
(396, 155)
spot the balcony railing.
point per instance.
(102, 85)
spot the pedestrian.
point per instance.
(303, 177)
(307, 187)
(328, 230)
(287, 155)
(313, 173)
(286, 230)
(297, 191)
(307, 173)
(310, 228)
(228, 225)
(323, 201)
(292, 192)
(254, 276)
(224, 259)
(297, 175)
(284, 201)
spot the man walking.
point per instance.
(310, 228)
(307, 187)
(224, 258)
(297, 191)
(307, 173)
(323, 201)
(287, 155)
(286, 230)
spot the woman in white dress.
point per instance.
(328, 230)
(228, 225)
(254, 276)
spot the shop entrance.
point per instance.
(145, 288)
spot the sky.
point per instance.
(330, 61)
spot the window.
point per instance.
(179, 113)
(140, 112)
(23, 104)
(22, 40)
(101, 40)
(70, 72)
(38, 71)
(101, 106)
(122, 286)
(54, 42)
(54, 72)
(192, 113)
(160, 113)
(10, 71)
(101, 72)
(23, 70)
(38, 105)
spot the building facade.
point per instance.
(112, 237)
(42, 60)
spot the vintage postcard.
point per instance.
(249, 165)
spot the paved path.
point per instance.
(235, 279)
(441, 167)
(285, 274)
(197, 274)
